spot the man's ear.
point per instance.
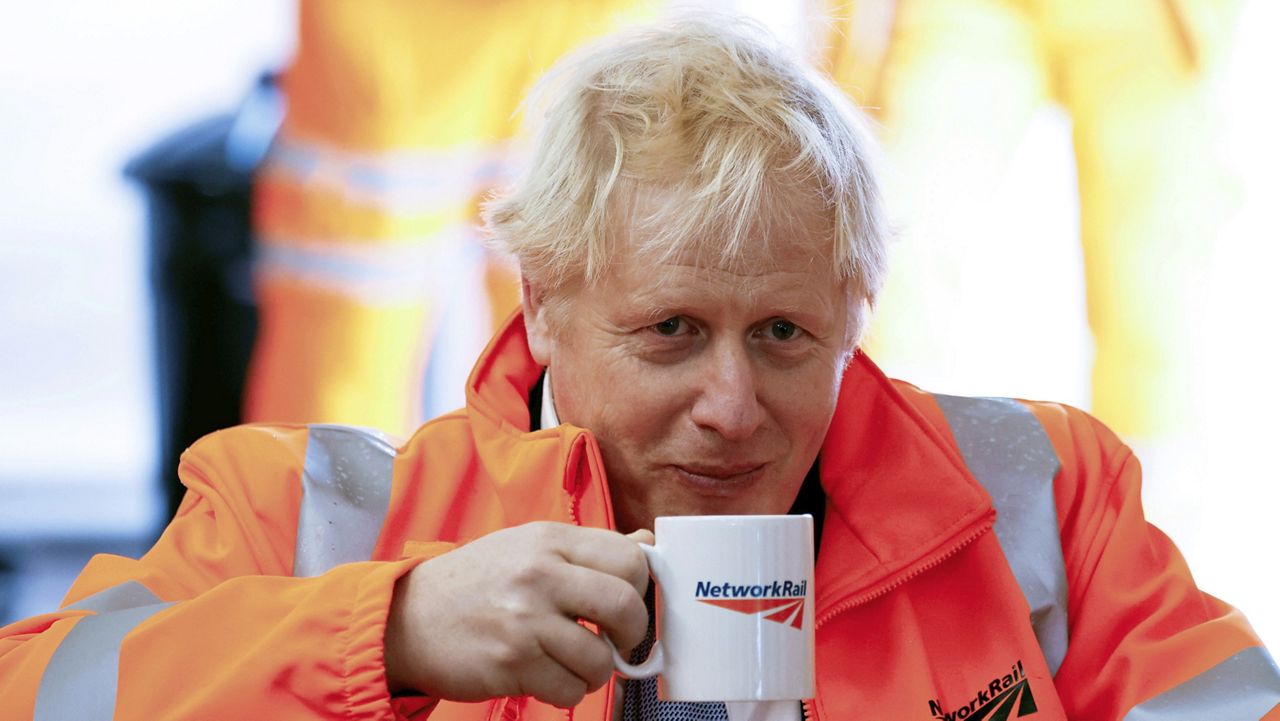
(537, 320)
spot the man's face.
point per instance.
(709, 389)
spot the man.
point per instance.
(701, 241)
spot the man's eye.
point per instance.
(783, 330)
(670, 326)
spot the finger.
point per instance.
(605, 600)
(579, 650)
(606, 551)
(642, 535)
(550, 682)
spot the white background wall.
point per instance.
(83, 87)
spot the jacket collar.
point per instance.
(540, 475)
(899, 496)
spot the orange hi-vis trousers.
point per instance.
(954, 84)
(400, 119)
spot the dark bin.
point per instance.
(198, 185)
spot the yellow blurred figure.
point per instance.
(954, 84)
(400, 118)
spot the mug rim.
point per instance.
(739, 518)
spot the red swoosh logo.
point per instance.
(784, 610)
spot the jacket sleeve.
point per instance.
(1145, 644)
(211, 623)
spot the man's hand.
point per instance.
(497, 617)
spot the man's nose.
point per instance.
(728, 402)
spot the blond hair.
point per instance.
(709, 112)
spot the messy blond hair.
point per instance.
(706, 111)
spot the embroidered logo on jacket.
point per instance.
(782, 600)
(996, 702)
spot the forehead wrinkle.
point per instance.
(730, 290)
(799, 254)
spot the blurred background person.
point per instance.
(955, 85)
(400, 118)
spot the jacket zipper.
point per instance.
(903, 578)
(575, 512)
(579, 487)
(808, 707)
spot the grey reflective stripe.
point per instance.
(346, 489)
(79, 683)
(129, 594)
(1009, 453)
(1242, 688)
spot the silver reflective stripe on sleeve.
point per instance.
(129, 594)
(346, 489)
(1242, 688)
(79, 683)
(1007, 450)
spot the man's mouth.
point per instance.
(719, 477)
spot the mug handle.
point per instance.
(653, 665)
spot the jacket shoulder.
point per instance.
(1079, 440)
(251, 458)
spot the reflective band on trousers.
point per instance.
(80, 680)
(1007, 450)
(346, 489)
(367, 272)
(402, 181)
(1242, 688)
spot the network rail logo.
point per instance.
(1001, 697)
(783, 601)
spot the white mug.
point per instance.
(734, 608)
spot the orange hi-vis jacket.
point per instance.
(981, 559)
